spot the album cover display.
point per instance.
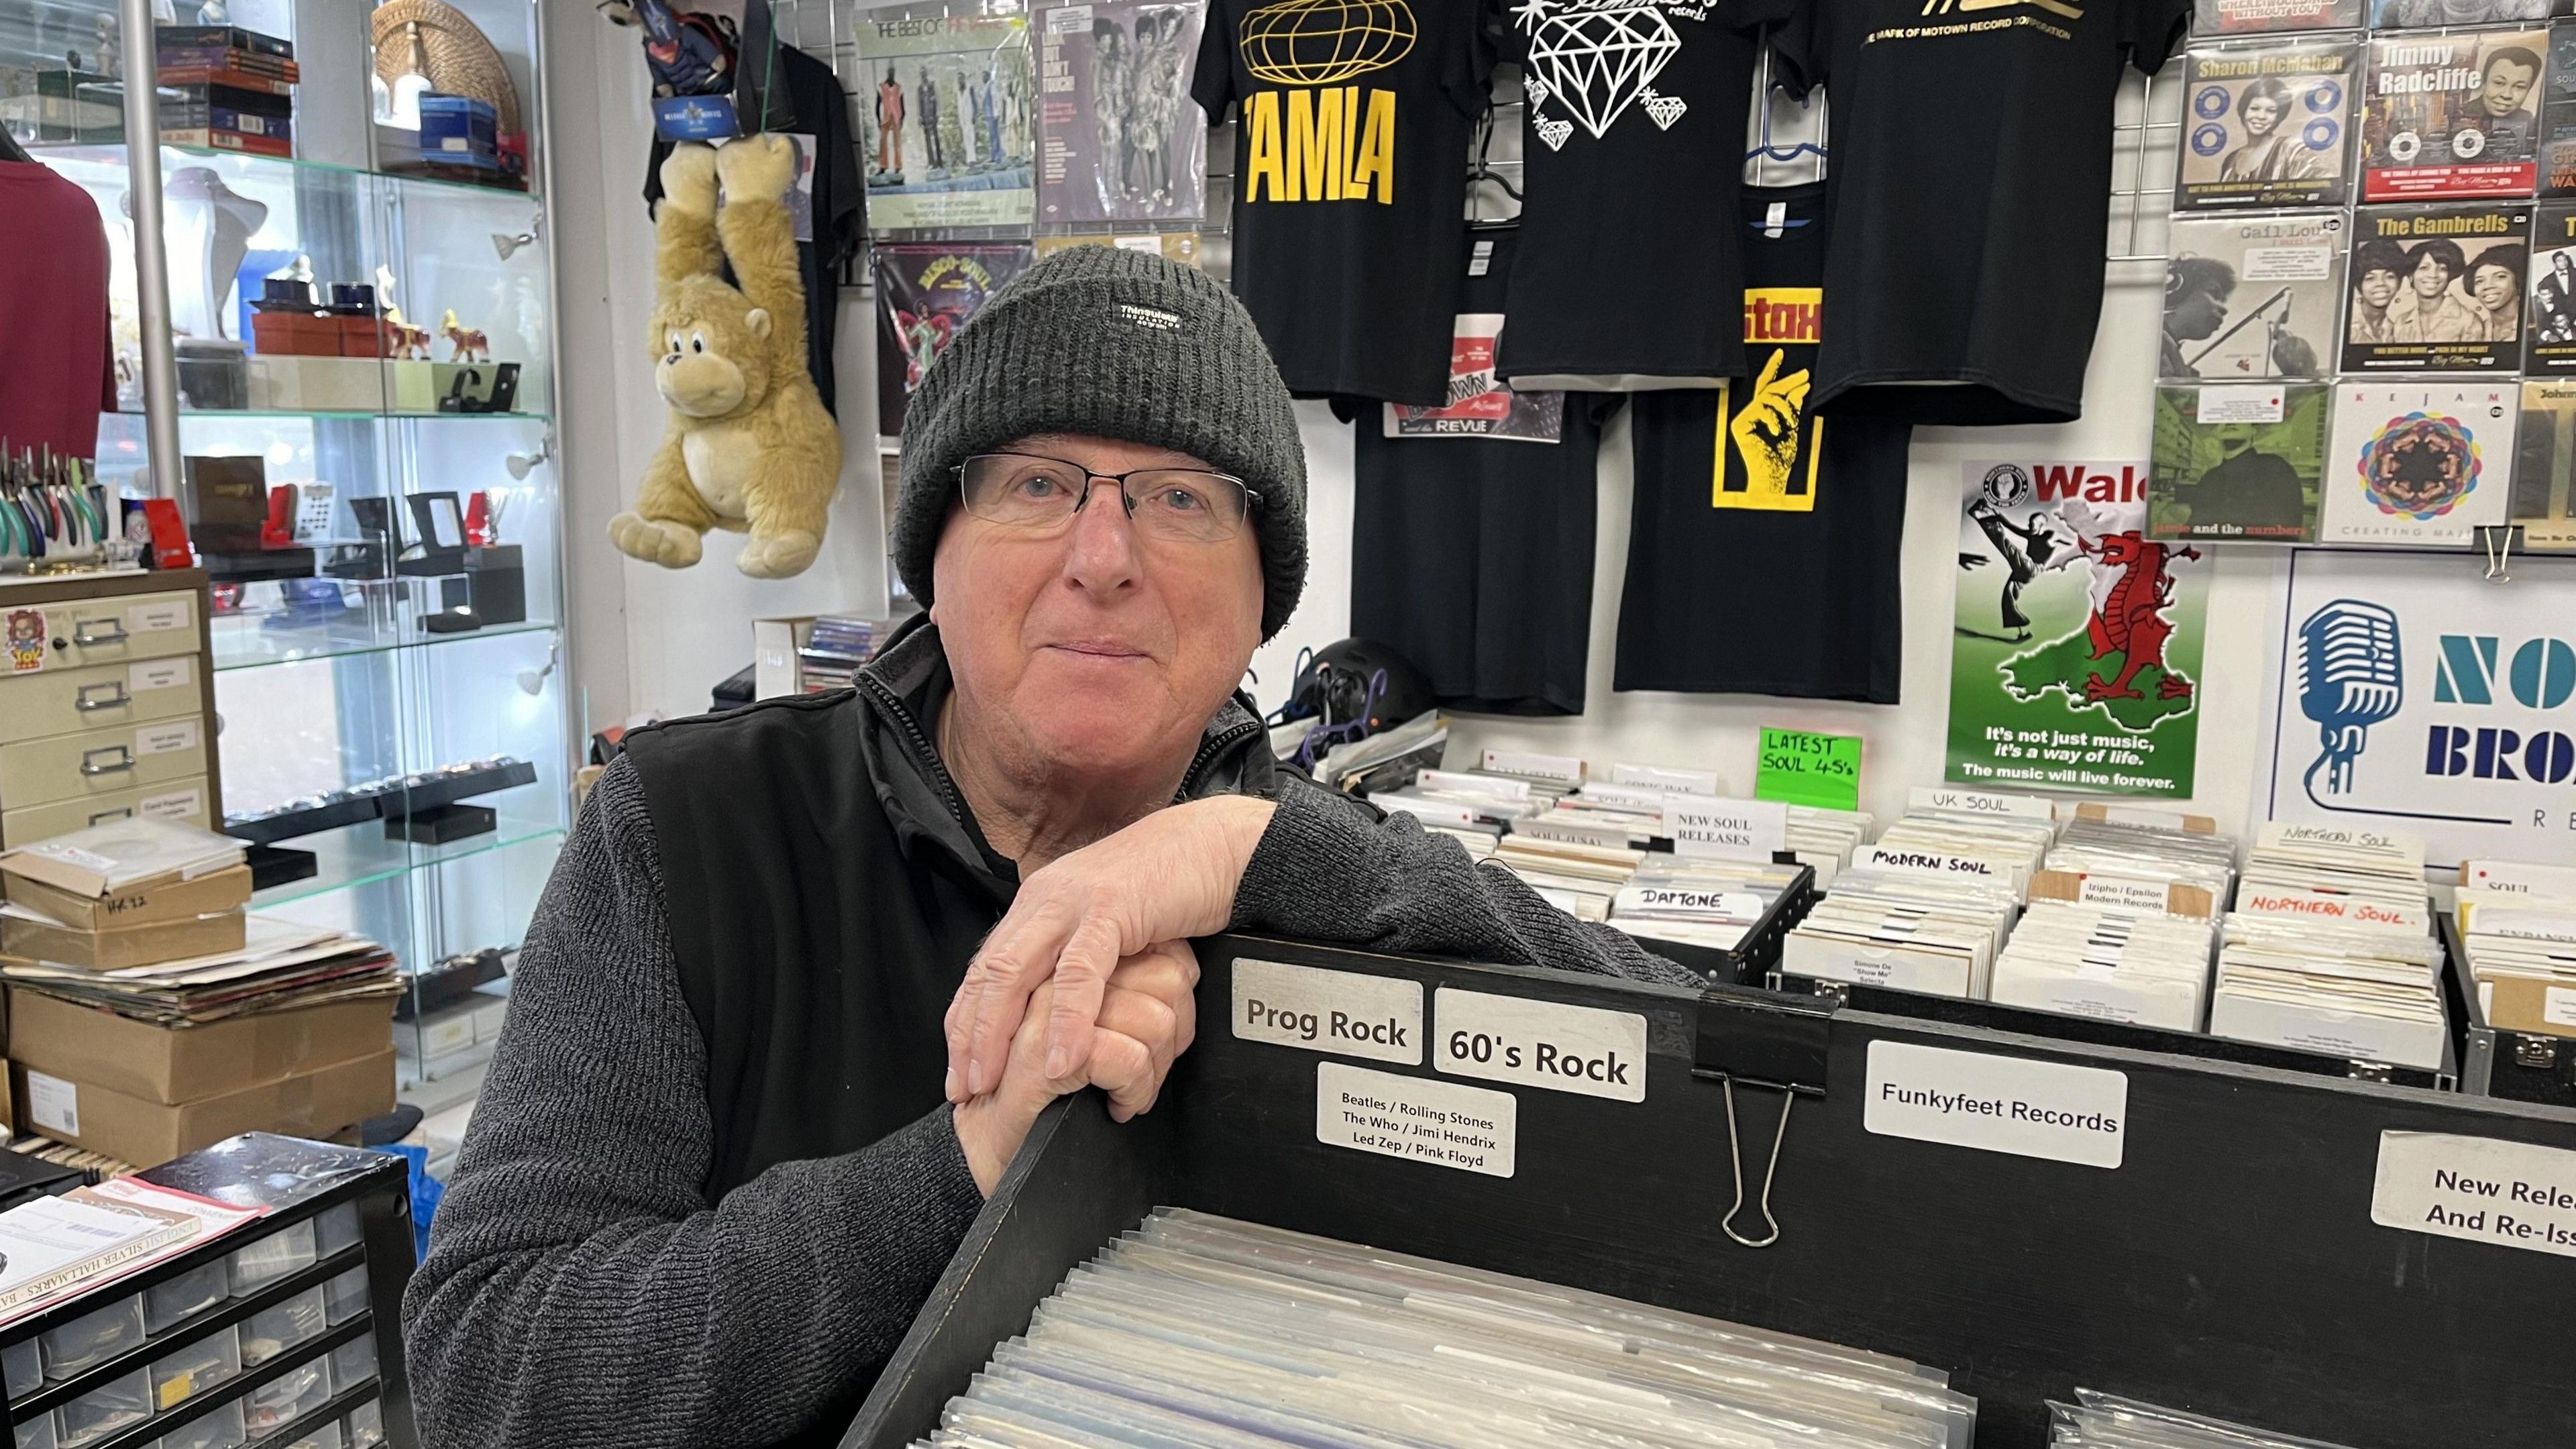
(2418, 14)
(2416, 463)
(2545, 464)
(2454, 114)
(2549, 311)
(947, 133)
(2437, 288)
(925, 293)
(2238, 461)
(1119, 138)
(2558, 113)
(2249, 298)
(2250, 17)
(2267, 124)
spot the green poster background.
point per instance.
(2037, 695)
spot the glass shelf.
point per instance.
(360, 855)
(112, 154)
(249, 645)
(331, 415)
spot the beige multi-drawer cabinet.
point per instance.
(106, 702)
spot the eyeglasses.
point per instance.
(1176, 505)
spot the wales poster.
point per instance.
(2075, 661)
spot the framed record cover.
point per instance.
(2253, 17)
(947, 134)
(2267, 124)
(2417, 464)
(925, 292)
(2545, 466)
(2453, 114)
(2238, 461)
(2437, 288)
(2252, 297)
(1119, 138)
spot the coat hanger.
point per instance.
(1765, 149)
(1483, 171)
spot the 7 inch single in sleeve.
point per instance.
(2417, 464)
(2453, 114)
(2254, 17)
(2238, 462)
(2544, 475)
(2550, 312)
(2267, 124)
(2437, 288)
(2252, 297)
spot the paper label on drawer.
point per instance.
(1997, 1104)
(1416, 1118)
(1979, 802)
(26, 636)
(160, 674)
(188, 804)
(53, 1104)
(2124, 893)
(1580, 1049)
(1344, 1012)
(2558, 1006)
(1702, 826)
(2512, 1194)
(164, 614)
(161, 739)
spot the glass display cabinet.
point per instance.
(355, 411)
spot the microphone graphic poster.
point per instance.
(2419, 465)
(2250, 298)
(2075, 661)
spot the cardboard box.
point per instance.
(2528, 1004)
(162, 898)
(317, 1105)
(118, 947)
(187, 1064)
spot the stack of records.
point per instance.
(1469, 807)
(2144, 968)
(2330, 949)
(282, 965)
(1827, 839)
(2518, 934)
(1580, 880)
(2101, 1421)
(1200, 1330)
(1712, 903)
(1621, 817)
(2140, 868)
(1910, 929)
(830, 658)
(2002, 850)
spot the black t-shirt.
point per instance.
(833, 216)
(1633, 147)
(1471, 532)
(1762, 553)
(1350, 176)
(1971, 152)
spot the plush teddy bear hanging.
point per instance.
(750, 447)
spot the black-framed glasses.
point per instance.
(1179, 505)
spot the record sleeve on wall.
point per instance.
(1485, 406)
(2551, 311)
(2252, 297)
(2437, 288)
(925, 292)
(947, 134)
(2545, 465)
(2558, 114)
(2417, 464)
(2453, 115)
(2253, 17)
(2267, 125)
(1119, 138)
(2420, 14)
(2238, 462)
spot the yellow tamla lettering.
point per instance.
(1262, 162)
(1315, 145)
(1334, 144)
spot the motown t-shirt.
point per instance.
(1972, 151)
(1632, 145)
(1471, 531)
(1762, 552)
(1350, 174)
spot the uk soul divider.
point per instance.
(2267, 124)
(2437, 288)
(2418, 464)
(2252, 297)
(2453, 114)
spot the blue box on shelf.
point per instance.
(460, 129)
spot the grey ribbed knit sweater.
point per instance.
(581, 1291)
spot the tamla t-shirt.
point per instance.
(1762, 553)
(1350, 175)
(1971, 157)
(1471, 534)
(1632, 147)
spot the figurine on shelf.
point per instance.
(403, 341)
(109, 58)
(470, 343)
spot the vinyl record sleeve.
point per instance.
(2254, 17)
(2453, 114)
(2549, 313)
(2558, 113)
(2238, 461)
(2267, 124)
(2437, 288)
(2254, 297)
(925, 292)
(947, 133)
(2434, 14)
(1119, 138)
(2420, 464)
(2544, 473)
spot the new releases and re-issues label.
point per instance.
(1541, 1044)
(1419, 1119)
(1343, 1012)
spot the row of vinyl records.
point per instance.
(1206, 1330)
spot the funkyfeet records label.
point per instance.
(2075, 661)
(2267, 125)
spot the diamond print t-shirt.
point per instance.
(1350, 170)
(1630, 272)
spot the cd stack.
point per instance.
(1712, 903)
(2518, 935)
(1202, 1330)
(2100, 1421)
(1905, 928)
(830, 658)
(2330, 949)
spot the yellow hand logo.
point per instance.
(1765, 429)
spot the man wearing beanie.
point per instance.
(807, 971)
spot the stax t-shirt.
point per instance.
(1971, 151)
(1633, 148)
(1471, 532)
(1350, 174)
(1762, 554)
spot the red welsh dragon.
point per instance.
(2128, 612)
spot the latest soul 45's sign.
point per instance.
(2414, 695)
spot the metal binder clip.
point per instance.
(1735, 1168)
(2499, 555)
(1765, 1039)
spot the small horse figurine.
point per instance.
(471, 345)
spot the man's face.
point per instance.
(2493, 287)
(2505, 85)
(2235, 438)
(2195, 316)
(2261, 114)
(1096, 650)
(2564, 265)
(2378, 286)
(2431, 277)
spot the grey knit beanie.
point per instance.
(1114, 344)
